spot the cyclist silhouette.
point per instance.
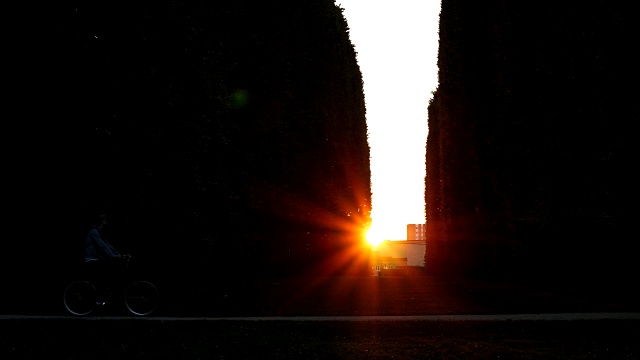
(107, 279)
(102, 261)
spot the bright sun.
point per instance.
(374, 236)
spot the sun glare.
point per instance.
(400, 56)
(374, 236)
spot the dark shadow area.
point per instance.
(530, 147)
(227, 142)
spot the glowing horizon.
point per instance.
(398, 62)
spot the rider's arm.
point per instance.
(102, 247)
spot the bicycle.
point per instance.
(84, 297)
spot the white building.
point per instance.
(394, 256)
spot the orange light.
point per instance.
(374, 237)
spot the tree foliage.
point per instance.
(529, 147)
(216, 135)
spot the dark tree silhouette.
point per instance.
(530, 142)
(220, 137)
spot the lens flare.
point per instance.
(374, 236)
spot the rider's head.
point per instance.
(101, 220)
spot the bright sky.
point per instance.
(397, 46)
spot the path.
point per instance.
(460, 317)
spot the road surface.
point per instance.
(457, 317)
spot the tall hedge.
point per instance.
(529, 153)
(215, 135)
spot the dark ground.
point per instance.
(200, 339)
(413, 295)
(110, 337)
(352, 296)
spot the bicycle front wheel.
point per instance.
(80, 298)
(141, 298)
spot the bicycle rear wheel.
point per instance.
(80, 298)
(141, 298)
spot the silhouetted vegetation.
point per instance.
(529, 154)
(220, 137)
